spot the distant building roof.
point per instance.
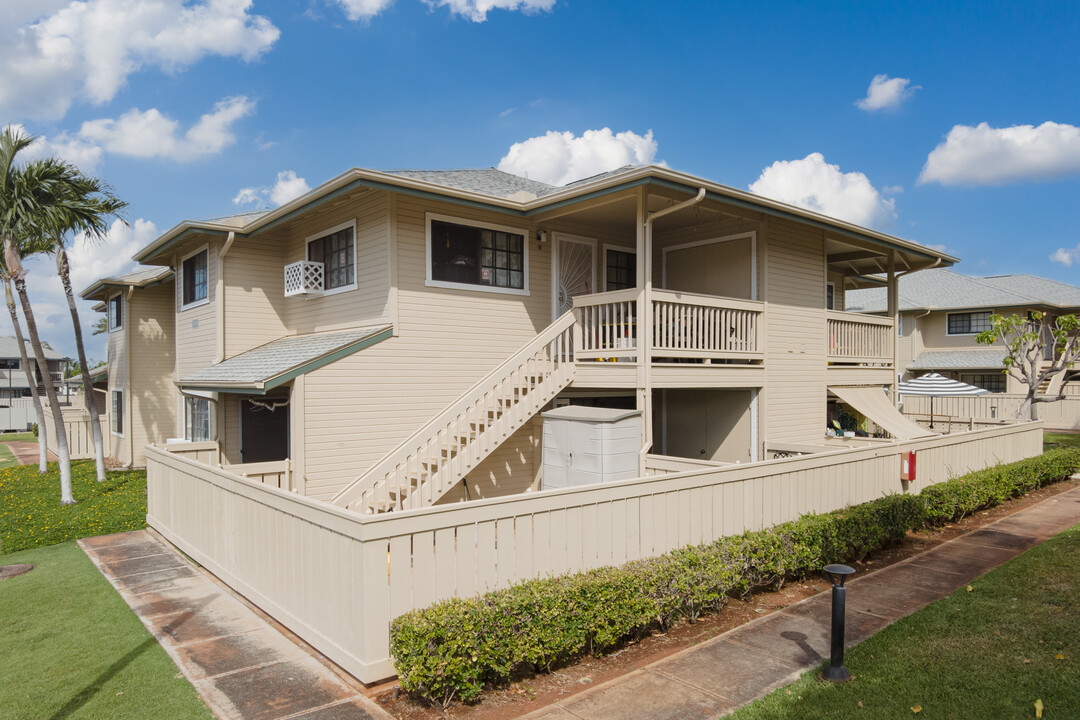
(279, 361)
(9, 348)
(97, 374)
(488, 181)
(942, 289)
(142, 277)
(989, 359)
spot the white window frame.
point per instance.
(965, 312)
(180, 284)
(186, 417)
(616, 248)
(112, 414)
(109, 313)
(355, 266)
(524, 290)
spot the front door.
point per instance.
(264, 427)
(575, 271)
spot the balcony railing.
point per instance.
(304, 278)
(685, 326)
(859, 339)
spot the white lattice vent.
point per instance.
(303, 278)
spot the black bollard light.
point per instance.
(836, 670)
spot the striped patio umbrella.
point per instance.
(935, 385)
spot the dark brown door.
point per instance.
(264, 428)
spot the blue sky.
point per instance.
(181, 106)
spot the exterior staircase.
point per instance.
(434, 459)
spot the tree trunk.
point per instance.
(88, 391)
(43, 432)
(66, 498)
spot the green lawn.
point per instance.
(985, 654)
(31, 515)
(26, 436)
(1051, 439)
(7, 459)
(71, 648)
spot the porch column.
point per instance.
(894, 304)
(643, 282)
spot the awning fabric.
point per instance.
(876, 405)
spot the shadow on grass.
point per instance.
(87, 693)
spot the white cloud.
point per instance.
(89, 262)
(984, 155)
(86, 156)
(151, 134)
(477, 10)
(54, 52)
(886, 93)
(814, 184)
(363, 9)
(287, 187)
(558, 158)
(1066, 256)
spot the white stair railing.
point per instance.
(435, 458)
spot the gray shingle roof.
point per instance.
(9, 348)
(137, 278)
(258, 368)
(947, 290)
(488, 181)
(988, 359)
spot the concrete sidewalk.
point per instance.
(717, 676)
(27, 453)
(244, 667)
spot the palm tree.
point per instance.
(87, 205)
(39, 204)
(11, 143)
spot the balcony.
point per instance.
(856, 339)
(304, 278)
(686, 327)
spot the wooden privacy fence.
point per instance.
(80, 437)
(1060, 415)
(337, 578)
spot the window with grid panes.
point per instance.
(336, 252)
(968, 323)
(621, 270)
(477, 256)
(994, 382)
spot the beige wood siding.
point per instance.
(118, 373)
(934, 330)
(358, 408)
(369, 302)
(196, 327)
(512, 469)
(794, 394)
(153, 395)
(254, 294)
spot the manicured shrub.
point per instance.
(454, 648)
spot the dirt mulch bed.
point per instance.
(542, 690)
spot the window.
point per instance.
(830, 296)
(620, 269)
(488, 256)
(994, 382)
(336, 251)
(116, 312)
(9, 364)
(968, 323)
(116, 412)
(195, 278)
(196, 419)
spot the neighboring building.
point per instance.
(13, 382)
(941, 312)
(331, 330)
(139, 399)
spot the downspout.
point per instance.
(645, 330)
(220, 300)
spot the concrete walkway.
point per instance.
(717, 676)
(27, 453)
(243, 666)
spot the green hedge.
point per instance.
(454, 648)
